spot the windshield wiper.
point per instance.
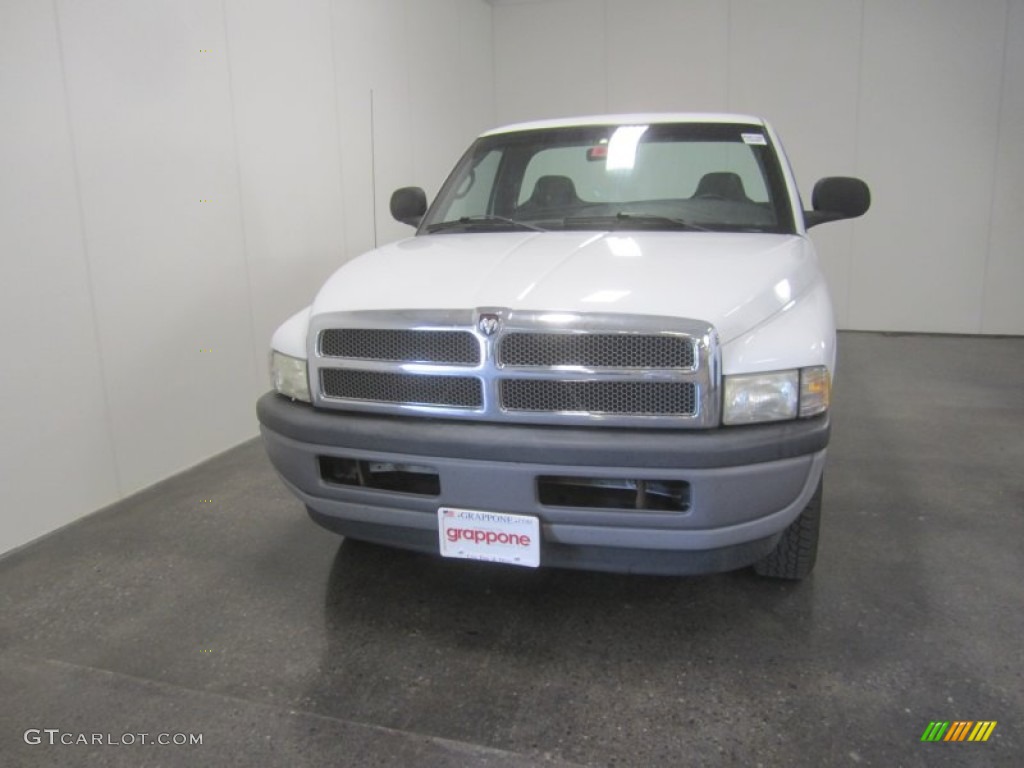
(482, 218)
(625, 218)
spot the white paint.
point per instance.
(662, 273)
(290, 337)
(638, 119)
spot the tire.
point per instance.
(794, 556)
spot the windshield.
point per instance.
(676, 176)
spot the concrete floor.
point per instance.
(240, 620)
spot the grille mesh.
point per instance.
(636, 398)
(453, 391)
(444, 347)
(596, 350)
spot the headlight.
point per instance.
(754, 397)
(777, 396)
(288, 376)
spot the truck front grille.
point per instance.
(638, 398)
(374, 386)
(518, 366)
(415, 346)
(596, 350)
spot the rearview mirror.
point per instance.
(837, 197)
(408, 205)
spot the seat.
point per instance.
(722, 185)
(551, 192)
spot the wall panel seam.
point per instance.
(338, 130)
(493, 116)
(607, 55)
(982, 304)
(246, 266)
(728, 56)
(409, 64)
(90, 283)
(857, 135)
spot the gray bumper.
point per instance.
(746, 484)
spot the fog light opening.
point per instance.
(625, 494)
(380, 475)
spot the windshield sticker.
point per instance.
(754, 138)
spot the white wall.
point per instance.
(176, 178)
(922, 98)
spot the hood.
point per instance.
(733, 281)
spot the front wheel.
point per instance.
(794, 556)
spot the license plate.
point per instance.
(492, 536)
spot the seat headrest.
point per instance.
(722, 184)
(554, 192)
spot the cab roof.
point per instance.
(641, 118)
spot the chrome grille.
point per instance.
(415, 346)
(643, 398)
(596, 350)
(495, 364)
(374, 386)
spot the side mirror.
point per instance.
(408, 205)
(837, 197)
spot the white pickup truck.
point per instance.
(608, 346)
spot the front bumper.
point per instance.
(747, 484)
